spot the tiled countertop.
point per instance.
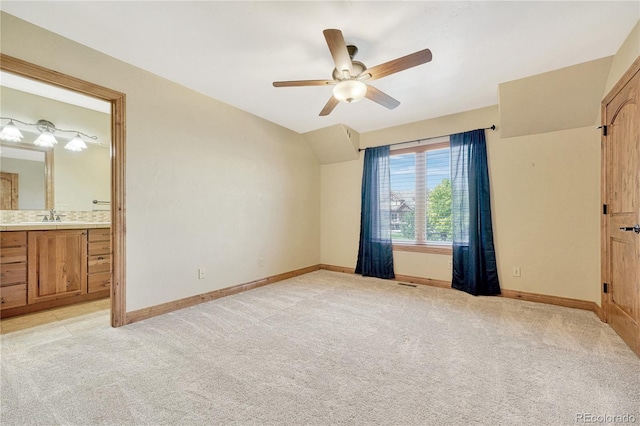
(44, 226)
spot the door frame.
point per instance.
(118, 133)
(605, 273)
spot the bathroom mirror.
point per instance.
(27, 178)
(46, 178)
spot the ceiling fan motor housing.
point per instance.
(357, 66)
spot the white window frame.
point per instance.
(420, 245)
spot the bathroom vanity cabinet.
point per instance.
(57, 264)
(99, 260)
(45, 268)
(13, 269)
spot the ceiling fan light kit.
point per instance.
(348, 75)
(350, 90)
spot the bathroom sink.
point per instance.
(70, 222)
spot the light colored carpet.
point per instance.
(329, 348)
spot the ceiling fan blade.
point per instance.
(302, 83)
(381, 98)
(329, 106)
(338, 49)
(400, 64)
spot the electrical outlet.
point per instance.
(260, 262)
(201, 274)
(516, 271)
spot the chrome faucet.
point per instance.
(53, 217)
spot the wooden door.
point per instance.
(8, 191)
(621, 194)
(57, 264)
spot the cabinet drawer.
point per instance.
(99, 247)
(99, 282)
(13, 239)
(100, 234)
(97, 264)
(13, 296)
(11, 273)
(13, 255)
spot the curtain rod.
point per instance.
(493, 127)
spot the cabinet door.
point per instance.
(57, 264)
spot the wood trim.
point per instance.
(152, 311)
(118, 212)
(423, 281)
(418, 248)
(118, 145)
(604, 218)
(509, 294)
(550, 300)
(50, 202)
(403, 278)
(36, 72)
(624, 79)
(599, 311)
(41, 306)
(334, 268)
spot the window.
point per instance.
(421, 196)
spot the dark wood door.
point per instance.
(621, 190)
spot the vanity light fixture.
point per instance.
(46, 138)
(76, 144)
(10, 133)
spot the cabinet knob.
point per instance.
(2, 300)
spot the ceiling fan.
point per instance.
(349, 75)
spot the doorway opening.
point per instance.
(117, 165)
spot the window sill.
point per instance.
(423, 248)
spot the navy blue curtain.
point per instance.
(375, 255)
(474, 258)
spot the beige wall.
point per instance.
(628, 52)
(79, 177)
(212, 186)
(545, 200)
(208, 185)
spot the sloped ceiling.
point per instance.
(557, 100)
(233, 51)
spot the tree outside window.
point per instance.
(421, 195)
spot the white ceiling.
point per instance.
(233, 51)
